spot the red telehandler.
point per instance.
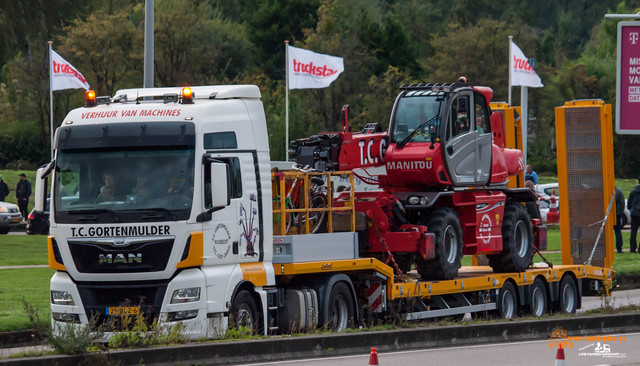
(445, 190)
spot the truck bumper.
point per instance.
(90, 302)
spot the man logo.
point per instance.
(120, 258)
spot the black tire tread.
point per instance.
(438, 268)
(506, 261)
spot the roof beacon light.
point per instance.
(90, 99)
(187, 96)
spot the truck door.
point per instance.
(460, 140)
(484, 138)
(233, 235)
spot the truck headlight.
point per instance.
(62, 298)
(182, 295)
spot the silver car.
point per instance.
(10, 217)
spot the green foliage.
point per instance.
(383, 43)
(135, 332)
(69, 339)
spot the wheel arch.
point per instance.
(249, 287)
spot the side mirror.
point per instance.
(40, 195)
(220, 188)
(432, 136)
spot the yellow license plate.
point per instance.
(16, 219)
(123, 310)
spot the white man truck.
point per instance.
(163, 206)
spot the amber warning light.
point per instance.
(187, 96)
(90, 98)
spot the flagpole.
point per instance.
(286, 98)
(524, 109)
(50, 99)
(509, 63)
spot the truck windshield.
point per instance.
(124, 184)
(416, 110)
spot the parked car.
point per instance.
(10, 217)
(545, 191)
(38, 222)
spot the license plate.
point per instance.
(16, 219)
(123, 310)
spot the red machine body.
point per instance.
(445, 192)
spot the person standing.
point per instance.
(4, 189)
(23, 192)
(617, 228)
(530, 174)
(633, 204)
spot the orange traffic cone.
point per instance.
(553, 216)
(560, 356)
(373, 357)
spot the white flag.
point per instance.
(522, 73)
(64, 75)
(310, 70)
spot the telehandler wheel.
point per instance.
(444, 223)
(244, 313)
(517, 241)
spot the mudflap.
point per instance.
(539, 235)
(427, 246)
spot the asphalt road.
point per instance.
(530, 353)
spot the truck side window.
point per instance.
(220, 140)
(236, 179)
(482, 115)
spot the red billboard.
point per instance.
(628, 79)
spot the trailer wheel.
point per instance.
(568, 295)
(539, 301)
(508, 301)
(445, 224)
(517, 241)
(340, 311)
(244, 313)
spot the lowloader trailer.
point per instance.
(164, 206)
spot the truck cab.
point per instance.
(165, 191)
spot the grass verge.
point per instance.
(30, 285)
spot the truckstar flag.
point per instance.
(64, 75)
(522, 74)
(310, 70)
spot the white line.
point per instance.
(416, 350)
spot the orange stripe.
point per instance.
(195, 258)
(53, 264)
(254, 273)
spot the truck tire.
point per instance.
(517, 241)
(340, 311)
(568, 295)
(538, 299)
(244, 313)
(444, 223)
(508, 301)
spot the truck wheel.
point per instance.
(568, 295)
(340, 310)
(444, 223)
(244, 313)
(538, 299)
(517, 241)
(508, 301)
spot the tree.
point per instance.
(195, 45)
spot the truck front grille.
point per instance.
(104, 256)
